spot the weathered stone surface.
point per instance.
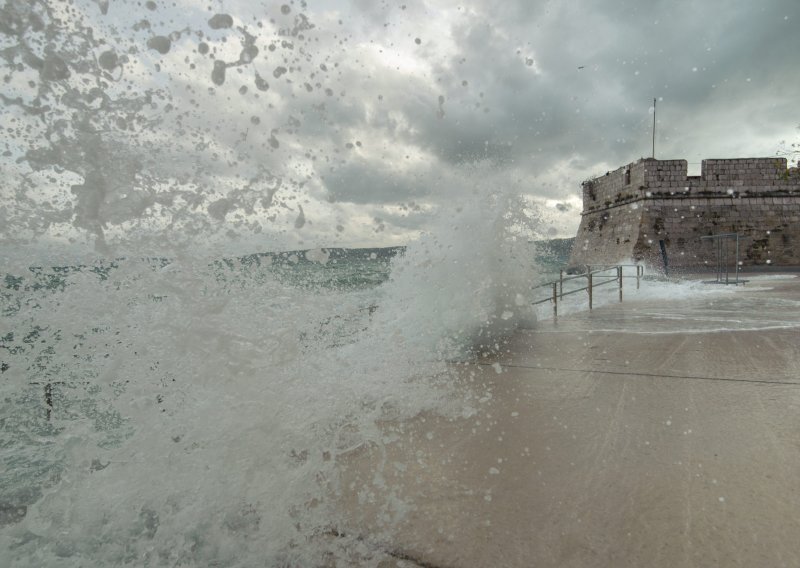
(627, 212)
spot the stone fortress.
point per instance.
(631, 213)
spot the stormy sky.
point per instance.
(333, 123)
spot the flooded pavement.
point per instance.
(650, 434)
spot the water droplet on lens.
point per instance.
(108, 60)
(261, 84)
(161, 44)
(218, 74)
(220, 21)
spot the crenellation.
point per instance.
(628, 211)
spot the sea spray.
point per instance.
(192, 421)
(196, 411)
(465, 284)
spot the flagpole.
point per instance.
(654, 128)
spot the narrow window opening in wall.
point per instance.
(628, 176)
(716, 177)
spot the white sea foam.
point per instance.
(465, 285)
(191, 420)
(767, 277)
(677, 306)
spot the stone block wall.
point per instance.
(746, 170)
(666, 174)
(627, 212)
(623, 184)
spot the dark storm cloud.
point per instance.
(535, 84)
(601, 65)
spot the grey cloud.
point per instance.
(612, 44)
(369, 182)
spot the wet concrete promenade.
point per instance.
(641, 434)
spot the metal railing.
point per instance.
(720, 243)
(595, 276)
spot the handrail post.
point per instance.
(561, 283)
(737, 259)
(637, 276)
(555, 301)
(726, 263)
(589, 288)
(619, 274)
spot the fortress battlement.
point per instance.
(648, 178)
(628, 210)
